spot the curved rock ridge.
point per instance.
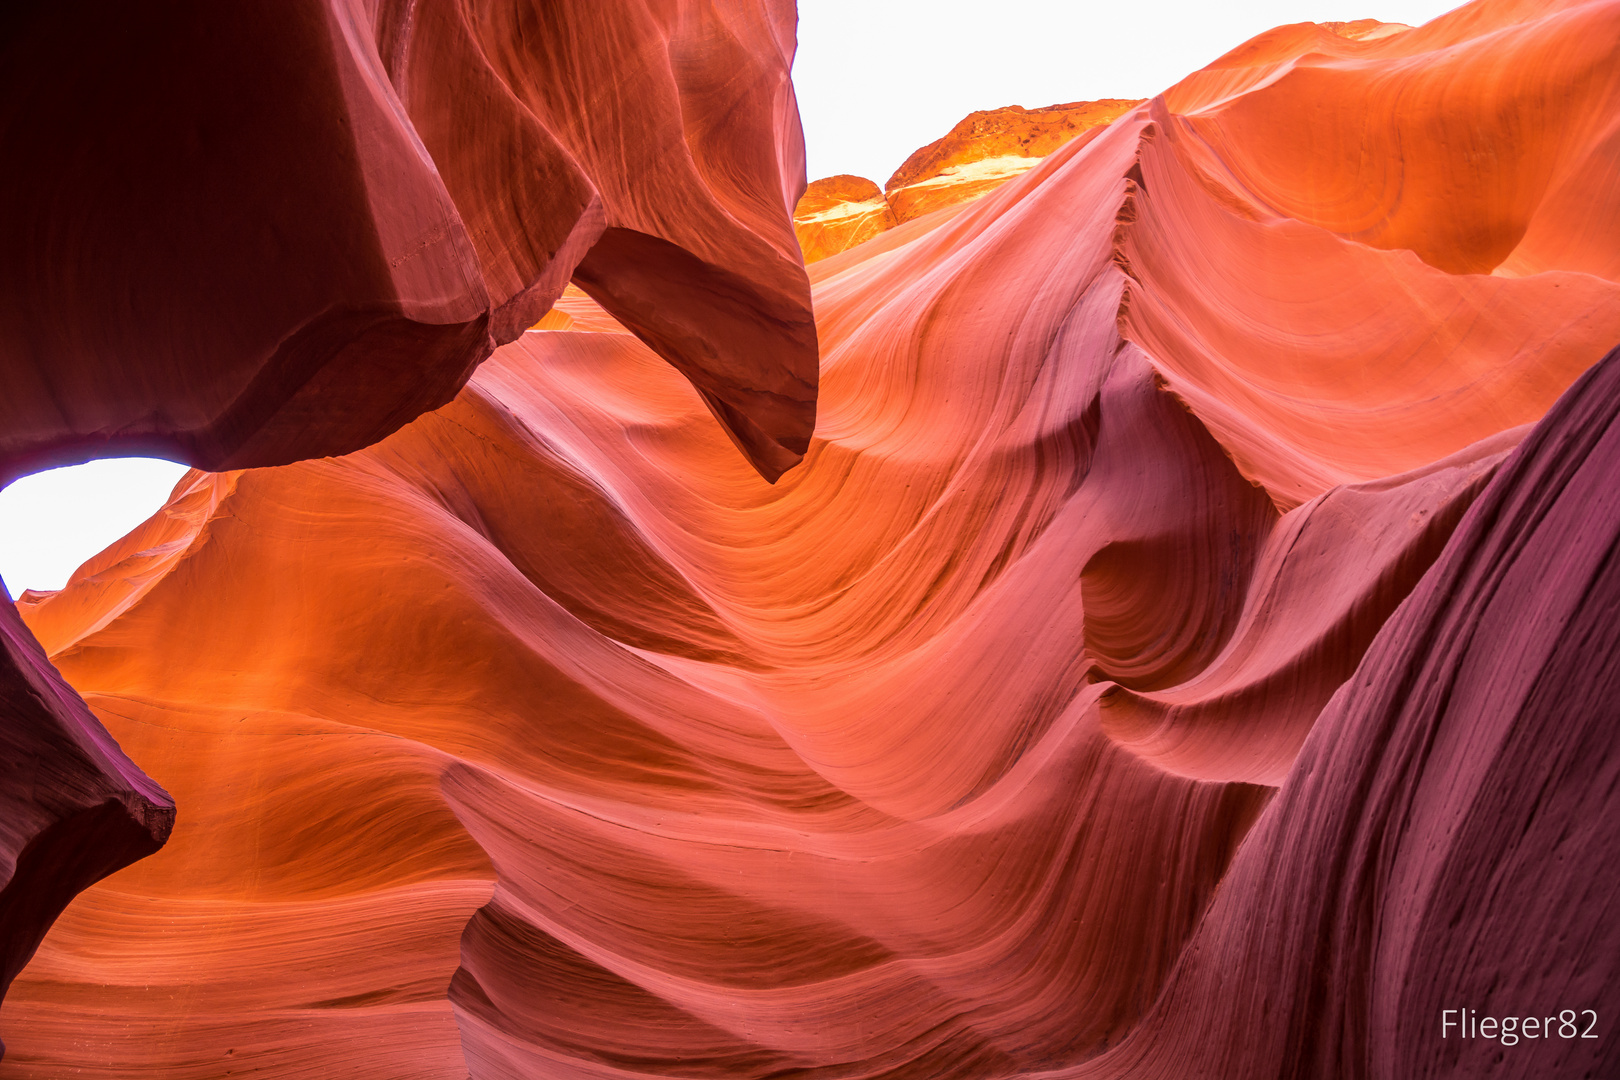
(259, 232)
(1187, 588)
(74, 807)
(250, 233)
(1442, 841)
(978, 155)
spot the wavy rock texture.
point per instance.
(73, 808)
(1180, 654)
(1443, 838)
(248, 233)
(258, 232)
(975, 157)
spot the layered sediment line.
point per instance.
(1440, 837)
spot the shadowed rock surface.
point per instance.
(258, 232)
(1443, 840)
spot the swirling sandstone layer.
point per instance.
(258, 232)
(249, 233)
(1185, 651)
(1443, 841)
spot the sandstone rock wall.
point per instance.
(1185, 651)
(251, 233)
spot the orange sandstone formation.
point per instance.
(838, 212)
(249, 233)
(981, 153)
(989, 148)
(1187, 649)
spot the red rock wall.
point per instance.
(76, 808)
(253, 233)
(1442, 842)
(250, 233)
(1185, 650)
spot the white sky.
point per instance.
(876, 79)
(53, 521)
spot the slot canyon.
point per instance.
(1135, 594)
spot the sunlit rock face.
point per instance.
(1187, 648)
(989, 148)
(838, 212)
(978, 155)
(250, 233)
